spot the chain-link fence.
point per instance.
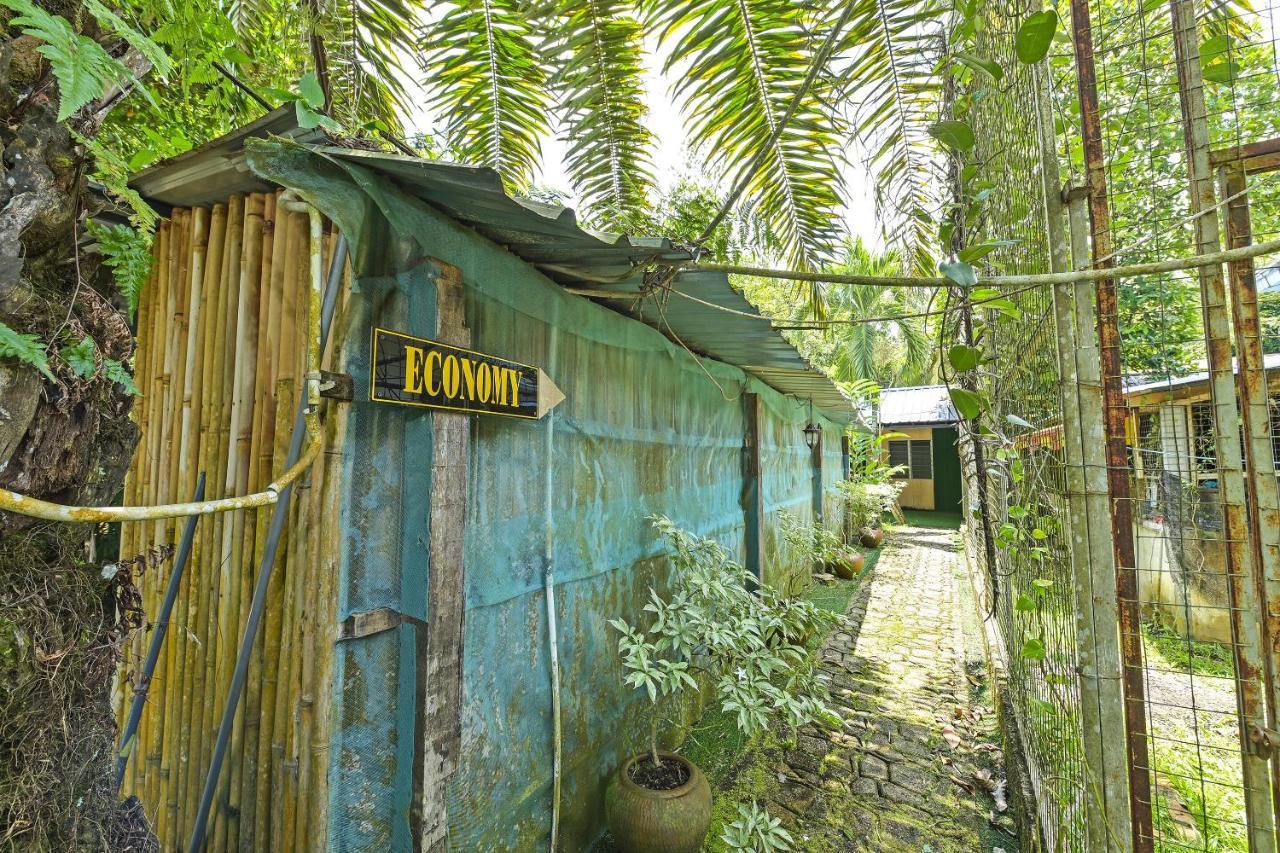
(1126, 526)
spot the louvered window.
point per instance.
(914, 457)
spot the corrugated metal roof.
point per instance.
(1270, 361)
(920, 405)
(546, 236)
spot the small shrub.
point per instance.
(756, 830)
(748, 644)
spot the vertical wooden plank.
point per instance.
(816, 458)
(752, 489)
(442, 729)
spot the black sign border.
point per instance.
(373, 366)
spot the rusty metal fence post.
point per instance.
(1114, 424)
(1244, 598)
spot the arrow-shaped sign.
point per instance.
(413, 371)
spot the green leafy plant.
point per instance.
(757, 831)
(127, 252)
(80, 357)
(25, 348)
(866, 503)
(714, 627)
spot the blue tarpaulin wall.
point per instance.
(645, 428)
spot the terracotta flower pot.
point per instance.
(848, 564)
(871, 537)
(647, 821)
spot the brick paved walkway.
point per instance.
(905, 771)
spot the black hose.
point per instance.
(157, 637)
(278, 516)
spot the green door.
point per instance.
(946, 470)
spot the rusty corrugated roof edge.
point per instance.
(549, 237)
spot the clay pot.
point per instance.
(872, 537)
(646, 821)
(848, 564)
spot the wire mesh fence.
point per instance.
(1149, 619)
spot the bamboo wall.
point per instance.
(221, 359)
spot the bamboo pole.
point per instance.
(153, 402)
(222, 646)
(292, 311)
(282, 329)
(194, 694)
(245, 364)
(261, 471)
(178, 711)
(176, 310)
(128, 532)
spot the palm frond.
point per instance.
(480, 59)
(598, 82)
(740, 65)
(891, 50)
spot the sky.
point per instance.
(671, 161)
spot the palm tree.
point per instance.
(892, 351)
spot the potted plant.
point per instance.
(711, 629)
(865, 505)
(821, 547)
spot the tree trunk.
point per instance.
(62, 624)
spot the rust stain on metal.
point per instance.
(1114, 423)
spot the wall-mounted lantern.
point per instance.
(812, 432)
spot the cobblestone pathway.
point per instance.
(909, 770)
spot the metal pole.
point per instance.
(157, 636)
(1130, 616)
(1247, 622)
(1255, 415)
(278, 516)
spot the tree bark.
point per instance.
(62, 624)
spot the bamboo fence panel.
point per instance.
(221, 360)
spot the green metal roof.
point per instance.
(547, 236)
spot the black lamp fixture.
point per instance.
(812, 432)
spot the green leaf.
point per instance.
(959, 272)
(312, 92)
(1017, 421)
(127, 252)
(117, 372)
(309, 118)
(1033, 648)
(974, 253)
(25, 348)
(978, 63)
(1042, 584)
(1004, 306)
(82, 68)
(963, 357)
(1035, 36)
(956, 135)
(967, 403)
(79, 357)
(1024, 604)
(1221, 72)
(154, 54)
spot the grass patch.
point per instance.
(926, 518)
(1186, 655)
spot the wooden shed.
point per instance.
(920, 423)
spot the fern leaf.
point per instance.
(128, 254)
(80, 65)
(80, 357)
(26, 348)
